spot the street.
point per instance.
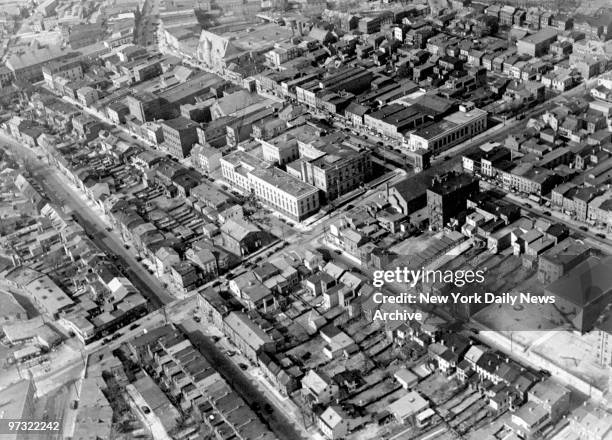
(278, 421)
(56, 187)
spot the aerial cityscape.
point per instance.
(306, 219)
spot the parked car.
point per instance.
(583, 228)
(243, 367)
(134, 326)
(547, 213)
(600, 235)
(196, 319)
(145, 409)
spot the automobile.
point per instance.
(134, 326)
(106, 341)
(230, 353)
(145, 409)
(216, 338)
(216, 283)
(229, 276)
(74, 404)
(600, 235)
(197, 319)
(583, 228)
(527, 205)
(349, 207)
(547, 213)
(109, 229)
(243, 367)
(116, 336)
(127, 246)
(338, 251)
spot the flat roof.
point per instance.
(541, 36)
(284, 181)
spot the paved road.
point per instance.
(59, 192)
(282, 426)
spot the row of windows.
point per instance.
(458, 135)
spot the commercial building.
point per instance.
(205, 158)
(369, 25)
(277, 189)
(346, 79)
(537, 44)
(584, 293)
(179, 136)
(450, 131)
(448, 197)
(395, 119)
(284, 193)
(144, 106)
(27, 65)
(87, 95)
(559, 260)
(335, 169)
(236, 166)
(69, 70)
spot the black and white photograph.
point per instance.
(306, 219)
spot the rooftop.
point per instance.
(284, 181)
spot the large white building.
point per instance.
(275, 188)
(450, 131)
(284, 193)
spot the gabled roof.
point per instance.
(238, 229)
